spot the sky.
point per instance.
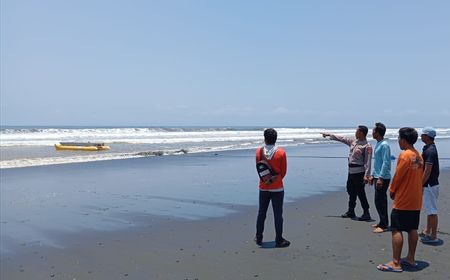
(225, 63)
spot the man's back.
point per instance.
(407, 181)
(278, 162)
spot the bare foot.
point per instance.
(379, 230)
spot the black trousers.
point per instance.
(355, 188)
(381, 202)
(277, 205)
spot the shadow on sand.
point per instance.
(354, 219)
(440, 242)
(421, 265)
(268, 245)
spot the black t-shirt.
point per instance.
(430, 155)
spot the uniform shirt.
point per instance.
(278, 162)
(360, 156)
(382, 163)
(407, 182)
(430, 155)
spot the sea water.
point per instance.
(39, 203)
(34, 146)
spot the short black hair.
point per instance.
(380, 129)
(409, 134)
(270, 136)
(363, 129)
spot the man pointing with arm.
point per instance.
(359, 164)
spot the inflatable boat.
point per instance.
(77, 146)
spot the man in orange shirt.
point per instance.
(272, 190)
(406, 191)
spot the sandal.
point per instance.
(429, 240)
(387, 268)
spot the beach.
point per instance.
(193, 217)
(130, 131)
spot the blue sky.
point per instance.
(225, 63)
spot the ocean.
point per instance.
(200, 173)
(34, 146)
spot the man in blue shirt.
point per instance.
(381, 176)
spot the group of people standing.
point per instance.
(415, 184)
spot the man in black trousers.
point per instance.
(381, 176)
(359, 163)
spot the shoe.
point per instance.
(258, 241)
(348, 214)
(365, 217)
(283, 243)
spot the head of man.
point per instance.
(270, 136)
(428, 134)
(378, 131)
(361, 132)
(407, 137)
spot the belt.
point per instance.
(355, 165)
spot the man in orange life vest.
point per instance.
(273, 190)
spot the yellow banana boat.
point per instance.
(81, 147)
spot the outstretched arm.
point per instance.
(345, 140)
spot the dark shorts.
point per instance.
(405, 220)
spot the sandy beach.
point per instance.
(130, 131)
(218, 246)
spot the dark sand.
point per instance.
(324, 246)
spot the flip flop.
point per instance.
(387, 268)
(428, 240)
(405, 263)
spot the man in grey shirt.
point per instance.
(359, 163)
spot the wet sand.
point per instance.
(324, 246)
